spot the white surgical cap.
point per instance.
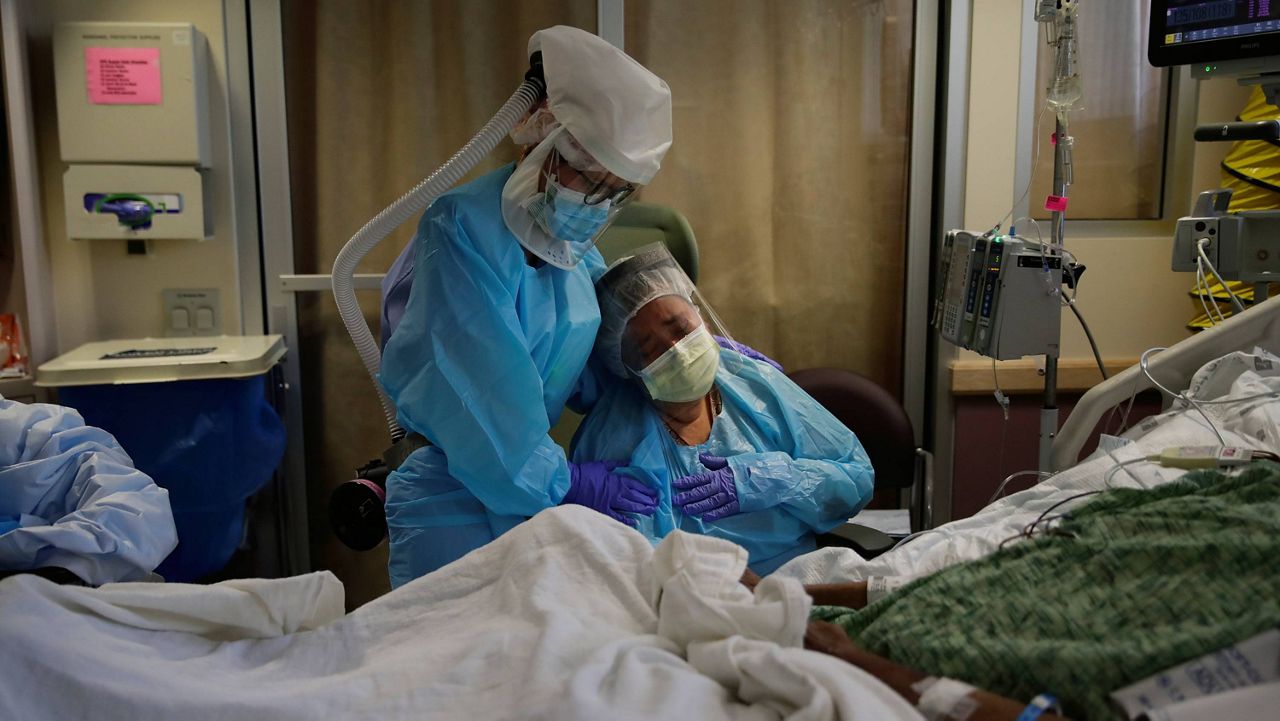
(619, 111)
(628, 286)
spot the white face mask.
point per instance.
(686, 371)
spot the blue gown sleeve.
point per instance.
(591, 386)
(595, 377)
(461, 373)
(72, 499)
(818, 472)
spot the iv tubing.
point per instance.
(407, 207)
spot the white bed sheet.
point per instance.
(570, 615)
(1253, 424)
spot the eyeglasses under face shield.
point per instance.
(573, 167)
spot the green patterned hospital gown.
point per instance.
(1130, 584)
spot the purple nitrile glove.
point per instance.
(712, 495)
(747, 351)
(596, 486)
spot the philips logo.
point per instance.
(1250, 46)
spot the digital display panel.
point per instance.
(1191, 31)
(1193, 21)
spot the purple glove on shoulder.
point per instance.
(747, 351)
(596, 486)
(712, 495)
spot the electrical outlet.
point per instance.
(192, 312)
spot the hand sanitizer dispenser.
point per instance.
(133, 129)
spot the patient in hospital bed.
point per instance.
(733, 448)
(1131, 584)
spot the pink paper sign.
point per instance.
(1055, 203)
(123, 76)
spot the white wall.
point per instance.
(99, 291)
(1130, 297)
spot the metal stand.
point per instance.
(1061, 181)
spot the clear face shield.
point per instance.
(659, 330)
(560, 199)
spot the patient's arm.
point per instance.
(830, 639)
(848, 595)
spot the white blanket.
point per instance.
(570, 615)
(1250, 423)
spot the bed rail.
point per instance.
(1258, 326)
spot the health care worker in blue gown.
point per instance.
(733, 447)
(501, 312)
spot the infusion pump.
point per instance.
(999, 296)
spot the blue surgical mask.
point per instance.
(565, 214)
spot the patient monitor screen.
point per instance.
(1206, 21)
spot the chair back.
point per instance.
(873, 414)
(639, 224)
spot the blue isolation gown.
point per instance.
(71, 498)
(798, 470)
(485, 357)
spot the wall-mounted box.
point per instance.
(132, 93)
(136, 201)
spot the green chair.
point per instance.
(638, 224)
(643, 223)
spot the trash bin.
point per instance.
(195, 415)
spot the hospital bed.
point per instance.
(1210, 360)
(1259, 326)
(568, 616)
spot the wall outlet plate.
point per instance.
(192, 312)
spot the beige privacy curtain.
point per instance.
(790, 160)
(790, 156)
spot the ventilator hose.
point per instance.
(406, 208)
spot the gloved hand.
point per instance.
(596, 486)
(747, 351)
(712, 495)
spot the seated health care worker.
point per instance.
(733, 448)
(491, 312)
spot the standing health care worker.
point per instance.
(501, 312)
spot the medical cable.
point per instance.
(1067, 300)
(410, 205)
(1207, 300)
(1111, 472)
(1235, 301)
(1119, 464)
(1142, 364)
(1003, 400)
(1039, 243)
(1029, 529)
(1035, 163)
(1042, 475)
(1070, 302)
(902, 541)
(1133, 396)
(1202, 289)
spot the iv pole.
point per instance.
(1064, 93)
